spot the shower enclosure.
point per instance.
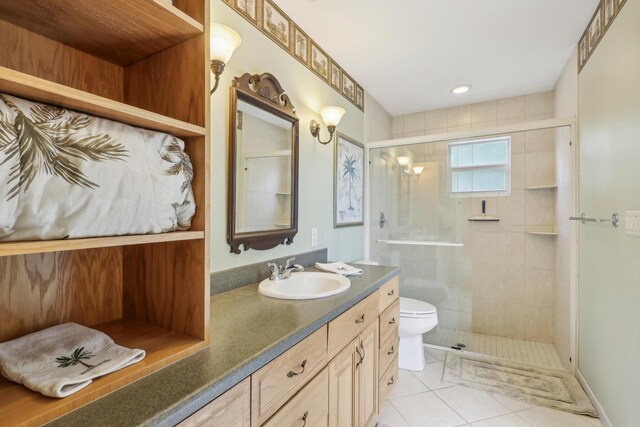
(476, 225)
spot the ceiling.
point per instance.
(409, 54)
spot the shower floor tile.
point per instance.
(533, 353)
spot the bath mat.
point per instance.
(542, 387)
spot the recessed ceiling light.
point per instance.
(459, 90)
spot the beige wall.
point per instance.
(377, 121)
(566, 105)
(609, 271)
(504, 283)
(258, 54)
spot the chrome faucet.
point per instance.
(279, 272)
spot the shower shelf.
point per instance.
(421, 243)
(542, 187)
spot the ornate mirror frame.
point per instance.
(265, 92)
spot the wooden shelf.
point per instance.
(23, 406)
(40, 90)
(119, 31)
(32, 247)
(542, 187)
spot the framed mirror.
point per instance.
(263, 165)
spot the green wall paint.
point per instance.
(609, 270)
(308, 93)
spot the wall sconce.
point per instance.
(417, 170)
(331, 117)
(224, 41)
(403, 161)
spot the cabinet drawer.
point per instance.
(388, 352)
(389, 320)
(232, 409)
(309, 408)
(351, 323)
(276, 382)
(389, 292)
(387, 382)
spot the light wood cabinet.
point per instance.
(367, 375)
(388, 381)
(389, 292)
(276, 382)
(339, 376)
(342, 408)
(351, 323)
(353, 382)
(389, 320)
(388, 352)
(232, 409)
(308, 408)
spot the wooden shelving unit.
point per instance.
(144, 63)
(40, 90)
(120, 31)
(34, 247)
(163, 347)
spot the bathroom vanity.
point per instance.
(272, 361)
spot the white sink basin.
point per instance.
(305, 285)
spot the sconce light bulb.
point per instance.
(224, 41)
(404, 161)
(418, 170)
(332, 115)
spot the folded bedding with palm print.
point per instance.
(65, 174)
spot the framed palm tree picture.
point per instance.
(348, 182)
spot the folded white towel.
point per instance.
(63, 359)
(339, 268)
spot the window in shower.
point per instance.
(480, 167)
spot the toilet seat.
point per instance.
(413, 308)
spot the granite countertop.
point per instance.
(248, 330)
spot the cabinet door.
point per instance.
(232, 409)
(308, 408)
(367, 376)
(342, 408)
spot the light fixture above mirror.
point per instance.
(224, 41)
(331, 116)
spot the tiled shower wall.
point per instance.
(502, 281)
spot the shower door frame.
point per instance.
(489, 132)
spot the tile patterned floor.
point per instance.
(532, 353)
(420, 399)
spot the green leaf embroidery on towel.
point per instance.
(48, 143)
(78, 355)
(349, 171)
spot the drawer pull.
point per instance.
(293, 374)
(393, 292)
(361, 319)
(304, 419)
(392, 350)
(392, 321)
(362, 347)
(391, 381)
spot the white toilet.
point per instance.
(416, 318)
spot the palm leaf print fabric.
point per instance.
(69, 175)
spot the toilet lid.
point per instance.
(415, 307)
